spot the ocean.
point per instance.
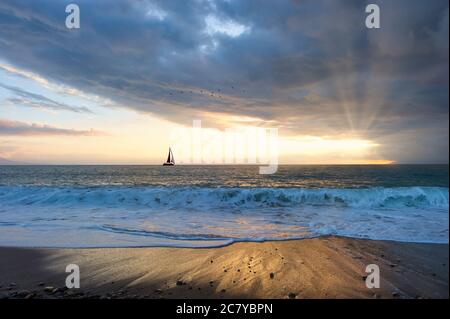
(209, 206)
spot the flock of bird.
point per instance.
(216, 94)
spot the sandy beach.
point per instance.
(327, 267)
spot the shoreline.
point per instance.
(321, 267)
(233, 242)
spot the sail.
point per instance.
(168, 156)
(172, 159)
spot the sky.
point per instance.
(114, 90)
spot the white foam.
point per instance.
(148, 216)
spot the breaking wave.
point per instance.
(205, 217)
(420, 197)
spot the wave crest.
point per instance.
(421, 197)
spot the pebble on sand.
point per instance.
(49, 289)
(57, 290)
(291, 295)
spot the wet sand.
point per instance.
(328, 267)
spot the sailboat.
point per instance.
(170, 159)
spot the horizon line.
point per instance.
(234, 164)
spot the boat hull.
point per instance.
(168, 164)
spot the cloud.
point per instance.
(39, 101)
(16, 128)
(57, 88)
(7, 150)
(308, 66)
(228, 27)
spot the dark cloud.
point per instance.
(16, 128)
(310, 66)
(39, 101)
